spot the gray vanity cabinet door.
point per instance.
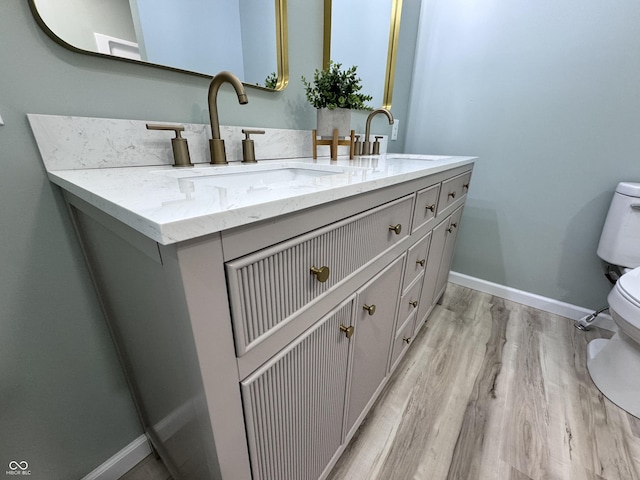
(294, 404)
(451, 233)
(434, 259)
(375, 313)
(436, 274)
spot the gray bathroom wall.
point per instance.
(547, 94)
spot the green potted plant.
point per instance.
(334, 93)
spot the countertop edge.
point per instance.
(194, 227)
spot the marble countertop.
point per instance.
(170, 205)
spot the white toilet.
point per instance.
(614, 364)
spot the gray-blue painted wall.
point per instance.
(547, 94)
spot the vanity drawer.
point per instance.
(268, 287)
(426, 205)
(409, 301)
(416, 261)
(452, 190)
(402, 340)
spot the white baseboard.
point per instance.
(546, 304)
(122, 462)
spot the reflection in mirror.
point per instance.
(364, 33)
(246, 37)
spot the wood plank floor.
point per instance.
(491, 390)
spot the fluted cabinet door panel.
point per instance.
(294, 405)
(268, 288)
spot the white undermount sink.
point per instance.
(266, 178)
(411, 156)
(266, 175)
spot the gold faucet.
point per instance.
(366, 145)
(216, 144)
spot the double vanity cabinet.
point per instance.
(256, 351)
(258, 311)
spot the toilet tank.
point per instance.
(620, 239)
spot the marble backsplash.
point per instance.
(69, 143)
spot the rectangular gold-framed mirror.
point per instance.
(364, 33)
(202, 37)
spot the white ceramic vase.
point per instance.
(339, 118)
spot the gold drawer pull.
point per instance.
(414, 304)
(452, 194)
(369, 308)
(466, 186)
(348, 331)
(407, 340)
(421, 262)
(396, 228)
(431, 207)
(451, 227)
(322, 273)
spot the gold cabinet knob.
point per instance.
(414, 304)
(451, 227)
(369, 308)
(466, 186)
(396, 228)
(452, 194)
(406, 340)
(431, 208)
(348, 331)
(421, 262)
(322, 273)
(454, 225)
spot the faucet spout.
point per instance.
(366, 145)
(216, 144)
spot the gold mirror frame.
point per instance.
(282, 48)
(394, 33)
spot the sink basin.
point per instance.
(410, 156)
(290, 174)
(267, 178)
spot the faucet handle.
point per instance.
(248, 131)
(248, 150)
(357, 146)
(376, 145)
(180, 147)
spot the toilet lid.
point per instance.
(629, 286)
(629, 188)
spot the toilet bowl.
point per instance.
(614, 364)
